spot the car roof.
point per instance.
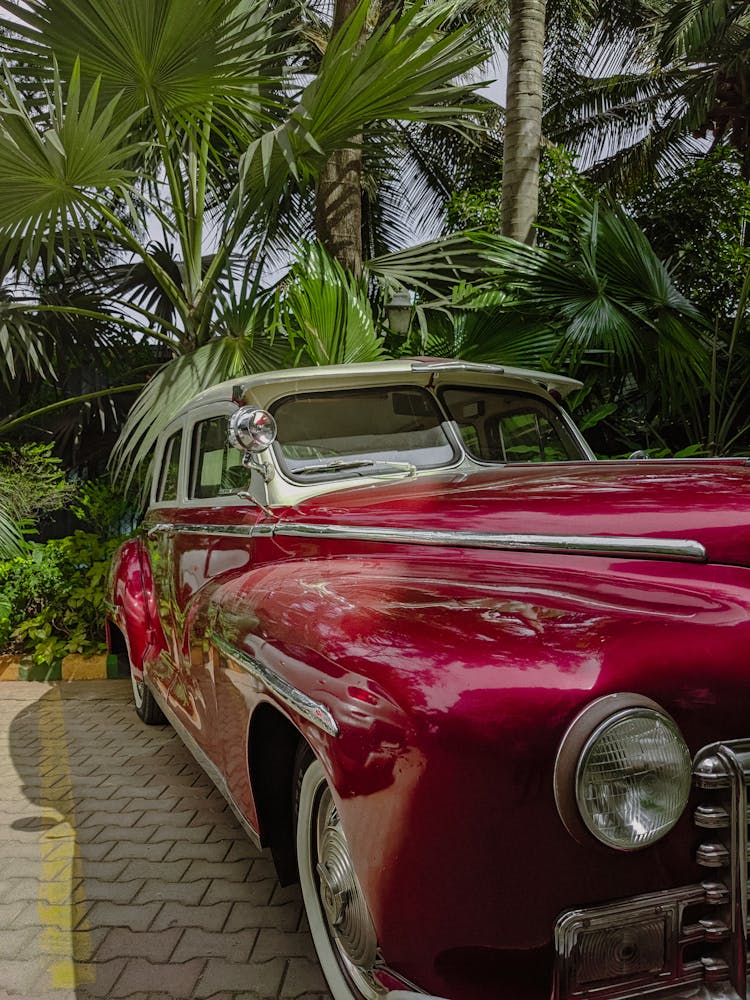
(263, 388)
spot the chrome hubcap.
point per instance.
(340, 892)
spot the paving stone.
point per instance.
(137, 918)
(171, 833)
(20, 975)
(226, 831)
(137, 852)
(272, 942)
(232, 947)
(256, 893)
(262, 867)
(124, 943)
(176, 979)
(263, 979)
(105, 976)
(285, 894)
(209, 918)
(303, 976)
(173, 871)
(15, 941)
(129, 835)
(228, 872)
(92, 851)
(245, 916)
(18, 914)
(142, 803)
(119, 834)
(189, 893)
(243, 848)
(204, 852)
(115, 892)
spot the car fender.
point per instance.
(131, 604)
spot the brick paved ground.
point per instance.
(122, 871)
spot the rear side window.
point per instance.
(170, 468)
(216, 469)
(501, 426)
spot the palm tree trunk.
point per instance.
(523, 118)
(338, 202)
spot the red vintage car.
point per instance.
(487, 698)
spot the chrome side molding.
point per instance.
(681, 549)
(678, 549)
(291, 696)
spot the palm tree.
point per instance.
(669, 74)
(523, 118)
(122, 111)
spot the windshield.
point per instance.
(502, 425)
(350, 432)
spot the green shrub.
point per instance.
(32, 480)
(52, 600)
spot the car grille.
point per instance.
(722, 775)
(686, 942)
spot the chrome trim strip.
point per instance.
(456, 366)
(233, 530)
(205, 762)
(684, 550)
(295, 699)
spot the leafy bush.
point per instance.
(105, 510)
(52, 600)
(32, 481)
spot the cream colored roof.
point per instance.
(262, 389)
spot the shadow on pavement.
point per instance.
(123, 873)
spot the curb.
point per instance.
(70, 668)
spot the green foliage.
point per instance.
(108, 511)
(327, 313)
(52, 599)
(479, 204)
(32, 481)
(698, 220)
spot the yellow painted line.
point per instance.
(61, 903)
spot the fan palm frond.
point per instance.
(327, 313)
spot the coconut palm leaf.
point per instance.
(493, 336)
(403, 70)
(683, 75)
(21, 338)
(176, 384)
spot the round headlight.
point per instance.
(251, 429)
(633, 778)
(623, 772)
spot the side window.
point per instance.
(170, 466)
(216, 469)
(529, 437)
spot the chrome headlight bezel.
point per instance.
(595, 723)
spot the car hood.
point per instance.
(706, 501)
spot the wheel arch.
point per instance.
(273, 743)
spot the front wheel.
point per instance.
(340, 922)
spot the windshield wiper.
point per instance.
(362, 463)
